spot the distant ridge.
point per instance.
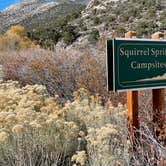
(99, 18)
(31, 13)
(6, 3)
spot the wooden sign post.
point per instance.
(158, 99)
(132, 106)
(138, 64)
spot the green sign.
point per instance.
(134, 64)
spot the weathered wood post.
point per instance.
(158, 99)
(141, 71)
(132, 106)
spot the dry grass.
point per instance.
(35, 130)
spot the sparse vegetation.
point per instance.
(97, 21)
(48, 36)
(94, 36)
(131, 14)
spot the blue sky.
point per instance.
(6, 3)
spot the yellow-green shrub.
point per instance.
(32, 125)
(15, 38)
(35, 130)
(31, 122)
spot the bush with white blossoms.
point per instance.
(35, 130)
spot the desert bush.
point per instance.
(94, 36)
(120, 30)
(70, 35)
(18, 29)
(96, 20)
(106, 138)
(35, 130)
(15, 38)
(62, 72)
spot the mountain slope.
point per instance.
(33, 13)
(99, 18)
(115, 17)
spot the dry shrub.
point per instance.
(35, 130)
(62, 72)
(15, 38)
(106, 135)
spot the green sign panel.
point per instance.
(136, 64)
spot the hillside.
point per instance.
(115, 17)
(34, 13)
(59, 19)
